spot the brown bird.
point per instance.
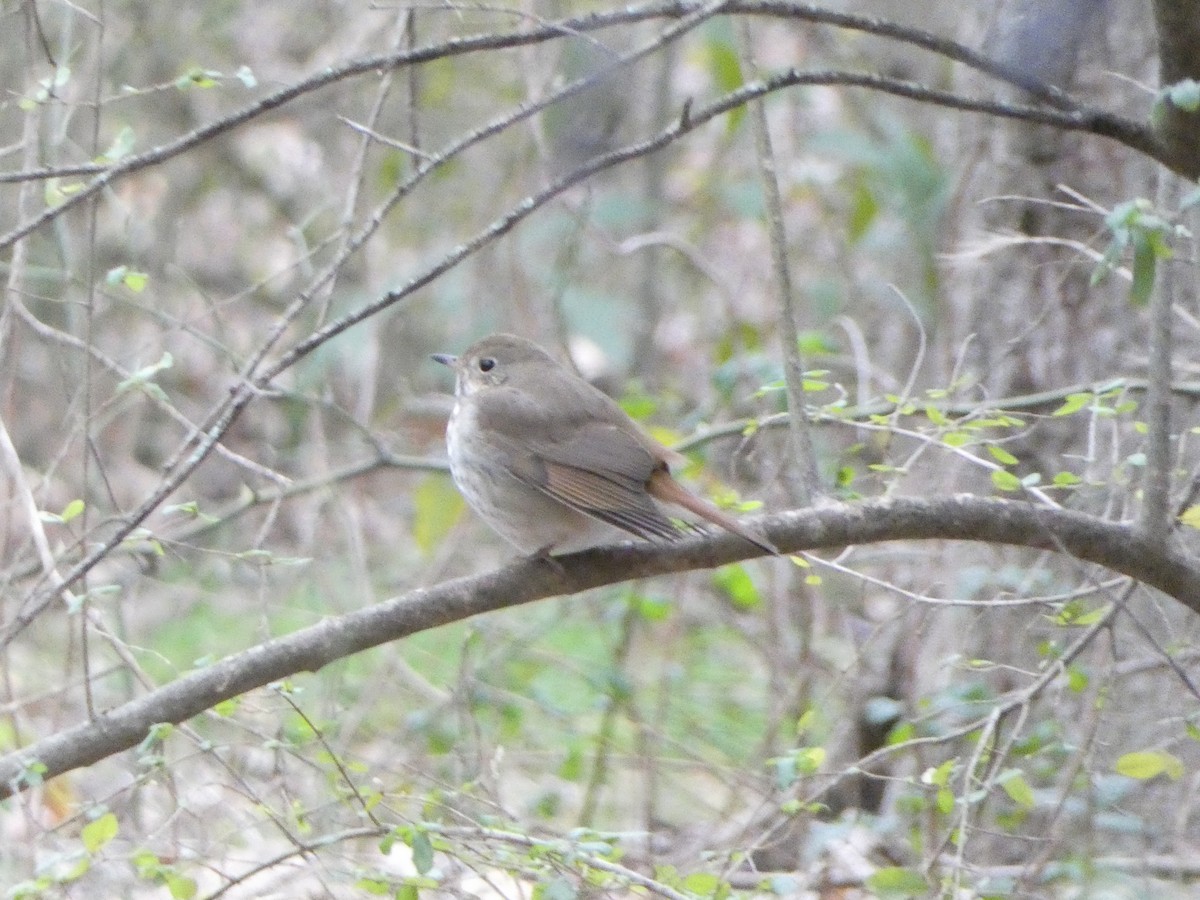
(552, 463)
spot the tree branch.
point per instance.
(1112, 545)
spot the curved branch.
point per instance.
(225, 414)
(1112, 545)
(1128, 132)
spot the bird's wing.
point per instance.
(602, 471)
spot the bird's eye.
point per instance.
(487, 364)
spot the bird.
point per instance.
(552, 463)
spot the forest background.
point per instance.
(917, 287)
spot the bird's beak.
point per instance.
(446, 359)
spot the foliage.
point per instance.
(240, 232)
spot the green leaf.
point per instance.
(437, 506)
(72, 510)
(1146, 764)
(936, 416)
(142, 377)
(940, 775)
(120, 147)
(702, 883)
(1006, 481)
(1144, 263)
(376, 887)
(1017, 788)
(653, 609)
(1091, 617)
(864, 209)
(725, 67)
(956, 438)
(571, 768)
(639, 405)
(227, 708)
(896, 883)
(135, 281)
(809, 759)
(1077, 679)
(1001, 455)
(422, 852)
(1191, 516)
(180, 886)
(197, 78)
(100, 831)
(1066, 479)
(944, 801)
(738, 586)
(1074, 403)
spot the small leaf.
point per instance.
(141, 378)
(1077, 679)
(702, 883)
(72, 510)
(737, 584)
(1018, 789)
(135, 281)
(120, 147)
(1191, 516)
(1006, 481)
(422, 852)
(1074, 403)
(1066, 479)
(654, 609)
(1146, 764)
(939, 776)
(180, 886)
(944, 801)
(437, 506)
(197, 78)
(1090, 617)
(639, 405)
(809, 760)
(1144, 265)
(100, 831)
(895, 883)
(1001, 455)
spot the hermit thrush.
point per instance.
(552, 463)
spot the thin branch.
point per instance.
(1156, 490)
(801, 472)
(223, 416)
(1133, 134)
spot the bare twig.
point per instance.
(801, 474)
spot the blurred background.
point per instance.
(707, 724)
